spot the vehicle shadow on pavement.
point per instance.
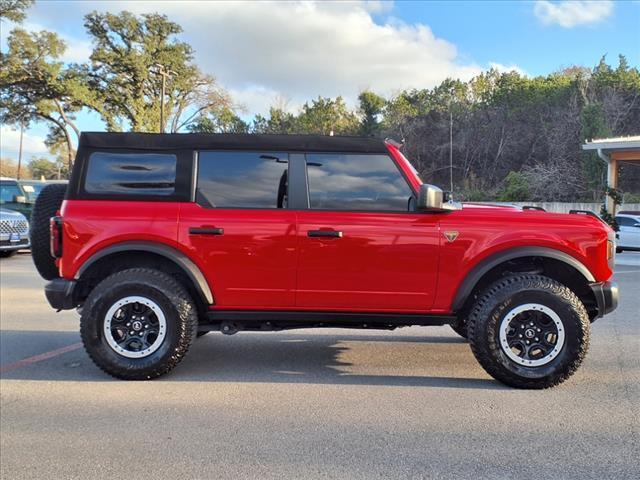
(411, 361)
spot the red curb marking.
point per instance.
(39, 358)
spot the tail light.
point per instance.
(55, 240)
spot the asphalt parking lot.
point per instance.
(412, 403)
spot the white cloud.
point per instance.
(299, 49)
(330, 49)
(378, 6)
(570, 13)
(507, 68)
(77, 51)
(256, 98)
(10, 143)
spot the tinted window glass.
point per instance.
(242, 179)
(131, 174)
(625, 221)
(356, 182)
(8, 190)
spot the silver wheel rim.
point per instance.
(131, 335)
(536, 327)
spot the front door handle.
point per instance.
(206, 231)
(324, 234)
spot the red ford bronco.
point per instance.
(160, 238)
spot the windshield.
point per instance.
(8, 190)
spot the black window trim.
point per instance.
(187, 179)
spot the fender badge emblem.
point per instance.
(451, 236)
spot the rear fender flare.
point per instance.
(185, 263)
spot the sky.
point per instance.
(264, 52)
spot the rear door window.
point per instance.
(242, 179)
(131, 174)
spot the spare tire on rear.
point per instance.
(47, 204)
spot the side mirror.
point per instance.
(431, 198)
(19, 199)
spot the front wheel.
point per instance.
(460, 327)
(529, 331)
(138, 324)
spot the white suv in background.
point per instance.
(629, 233)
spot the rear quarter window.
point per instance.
(131, 174)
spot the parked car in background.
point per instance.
(14, 232)
(629, 233)
(13, 197)
(33, 187)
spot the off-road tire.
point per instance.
(176, 304)
(505, 294)
(460, 327)
(47, 204)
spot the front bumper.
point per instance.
(7, 245)
(607, 296)
(59, 293)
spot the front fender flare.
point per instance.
(478, 271)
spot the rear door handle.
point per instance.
(324, 234)
(206, 231)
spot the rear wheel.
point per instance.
(47, 204)
(138, 324)
(529, 331)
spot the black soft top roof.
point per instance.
(230, 141)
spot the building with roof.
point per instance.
(613, 151)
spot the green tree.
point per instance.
(278, 122)
(9, 168)
(223, 121)
(36, 86)
(127, 50)
(593, 126)
(325, 116)
(14, 10)
(43, 167)
(516, 188)
(371, 108)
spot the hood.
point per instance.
(490, 206)
(11, 215)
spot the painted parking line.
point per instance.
(40, 357)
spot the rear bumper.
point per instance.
(59, 293)
(607, 297)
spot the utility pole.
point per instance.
(451, 150)
(162, 71)
(20, 149)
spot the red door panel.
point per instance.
(372, 261)
(248, 256)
